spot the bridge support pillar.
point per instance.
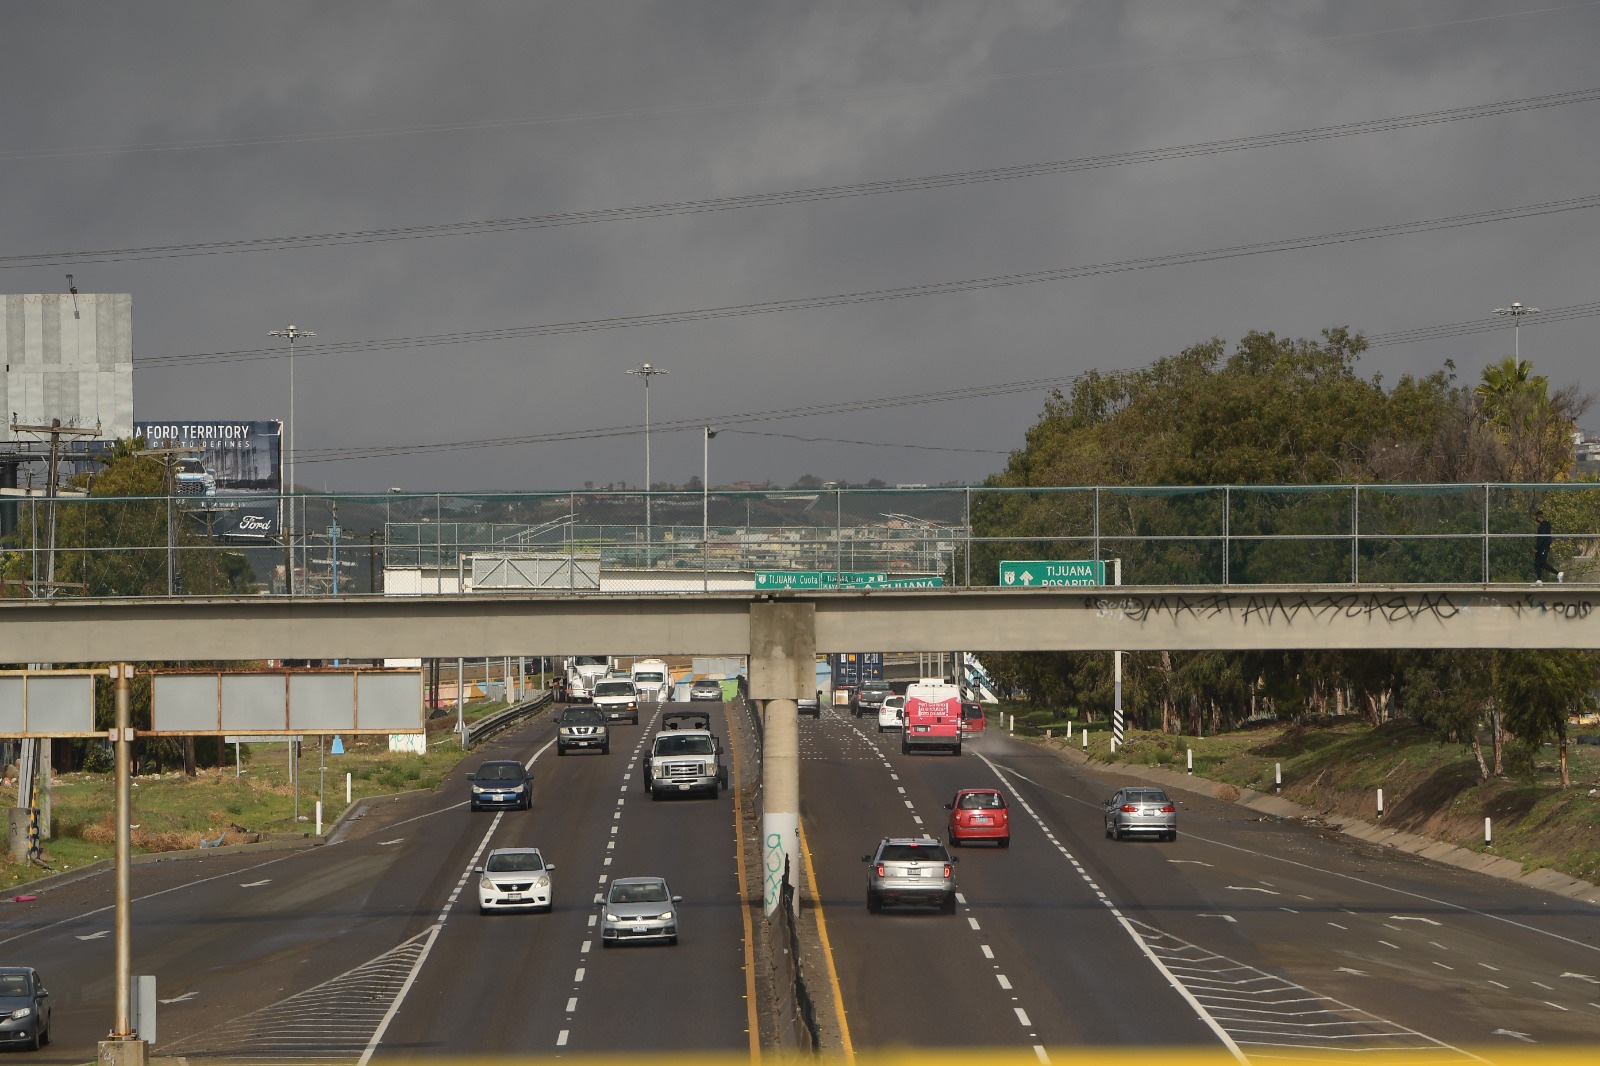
(783, 668)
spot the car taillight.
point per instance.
(947, 869)
(1168, 809)
(1130, 808)
(880, 869)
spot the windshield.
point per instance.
(584, 716)
(499, 771)
(874, 686)
(614, 688)
(514, 862)
(591, 660)
(978, 801)
(655, 892)
(913, 853)
(651, 677)
(684, 746)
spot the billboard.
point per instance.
(242, 463)
(67, 356)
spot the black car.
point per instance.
(501, 783)
(813, 707)
(24, 1008)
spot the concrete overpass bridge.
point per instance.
(1127, 618)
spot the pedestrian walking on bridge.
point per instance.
(1541, 551)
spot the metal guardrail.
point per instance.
(488, 726)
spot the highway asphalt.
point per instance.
(1249, 932)
(1260, 934)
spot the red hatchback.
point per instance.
(979, 814)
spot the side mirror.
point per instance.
(949, 806)
(866, 858)
(677, 899)
(471, 778)
(549, 866)
(477, 869)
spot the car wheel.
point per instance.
(561, 749)
(45, 1039)
(949, 904)
(35, 1043)
(955, 841)
(605, 749)
(874, 904)
(1172, 835)
(1004, 842)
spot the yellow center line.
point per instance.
(827, 953)
(752, 1022)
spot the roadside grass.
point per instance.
(1430, 788)
(174, 812)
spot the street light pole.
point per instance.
(705, 513)
(646, 371)
(291, 334)
(1516, 311)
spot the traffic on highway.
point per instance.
(425, 927)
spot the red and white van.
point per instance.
(932, 718)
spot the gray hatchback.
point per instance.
(911, 870)
(1141, 812)
(638, 908)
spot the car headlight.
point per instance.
(477, 789)
(486, 884)
(665, 916)
(21, 1012)
(612, 917)
(541, 882)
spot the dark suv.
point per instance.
(869, 697)
(501, 783)
(582, 727)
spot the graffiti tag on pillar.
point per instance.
(774, 865)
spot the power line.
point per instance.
(904, 292)
(1488, 325)
(792, 196)
(329, 455)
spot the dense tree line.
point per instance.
(1291, 413)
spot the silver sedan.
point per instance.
(1141, 811)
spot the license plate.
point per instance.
(514, 896)
(683, 788)
(913, 873)
(980, 819)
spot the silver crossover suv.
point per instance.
(1141, 811)
(914, 870)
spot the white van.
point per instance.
(653, 680)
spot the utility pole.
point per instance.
(646, 371)
(33, 784)
(291, 334)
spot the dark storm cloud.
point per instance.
(171, 123)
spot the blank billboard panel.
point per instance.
(54, 704)
(279, 702)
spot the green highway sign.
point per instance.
(1051, 573)
(794, 579)
(844, 579)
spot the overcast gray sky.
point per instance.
(187, 125)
